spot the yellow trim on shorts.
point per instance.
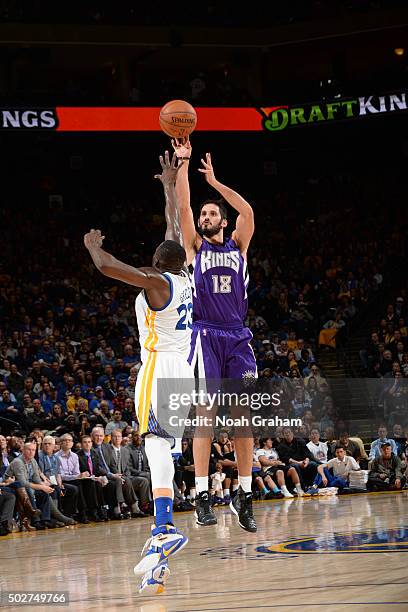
(152, 338)
(146, 393)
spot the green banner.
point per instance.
(280, 118)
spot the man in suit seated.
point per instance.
(24, 468)
(122, 462)
(139, 457)
(90, 463)
(117, 486)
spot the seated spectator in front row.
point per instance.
(25, 470)
(122, 462)
(273, 467)
(375, 450)
(317, 447)
(90, 496)
(118, 489)
(294, 452)
(340, 467)
(185, 472)
(386, 471)
(216, 482)
(50, 467)
(89, 461)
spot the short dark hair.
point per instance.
(171, 254)
(338, 447)
(221, 206)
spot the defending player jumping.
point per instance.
(162, 311)
(220, 343)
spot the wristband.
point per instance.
(184, 158)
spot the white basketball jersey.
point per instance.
(166, 329)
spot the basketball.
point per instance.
(178, 119)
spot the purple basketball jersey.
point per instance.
(220, 282)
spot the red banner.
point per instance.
(147, 119)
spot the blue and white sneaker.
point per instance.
(166, 541)
(154, 581)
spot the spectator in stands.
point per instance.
(115, 423)
(75, 399)
(300, 403)
(350, 448)
(386, 471)
(122, 463)
(316, 374)
(15, 380)
(274, 470)
(115, 486)
(375, 450)
(328, 414)
(317, 447)
(334, 473)
(398, 437)
(222, 451)
(88, 499)
(294, 452)
(89, 462)
(25, 470)
(371, 353)
(187, 472)
(327, 336)
(15, 445)
(49, 465)
(97, 400)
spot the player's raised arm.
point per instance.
(245, 226)
(171, 211)
(148, 278)
(192, 240)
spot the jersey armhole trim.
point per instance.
(170, 296)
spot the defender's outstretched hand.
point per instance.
(208, 170)
(93, 239)
(170, 169)
(182, 147)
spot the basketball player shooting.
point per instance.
(164, 337)
(220, 344)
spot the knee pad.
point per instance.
(158, 451)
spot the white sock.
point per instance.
(201, 484)
(235, 487)
(246, 483)
(135, 507)
(116, 509)
(226, 492)
(298, 487)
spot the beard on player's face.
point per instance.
(209, 229)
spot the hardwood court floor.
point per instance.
(339, 553)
